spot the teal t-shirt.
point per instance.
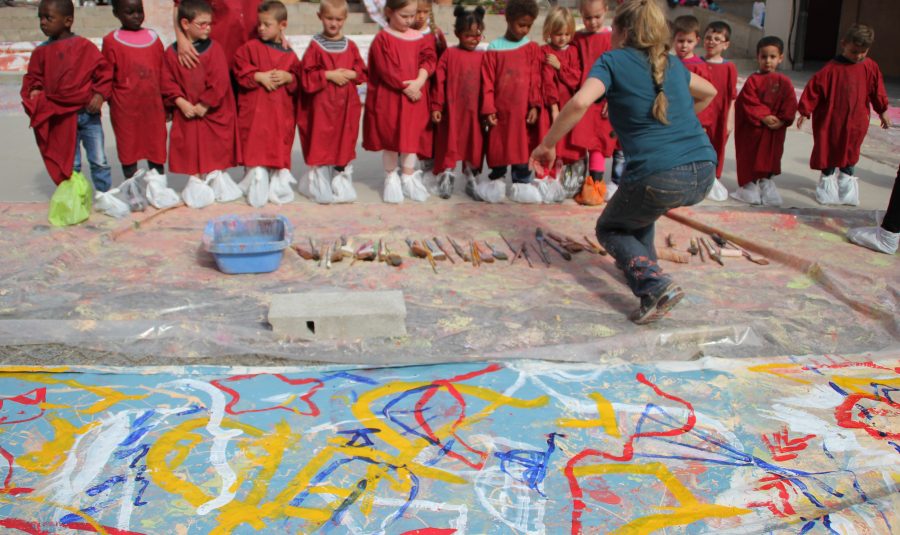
(649, 145)
(502, 43)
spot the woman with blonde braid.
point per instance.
(670, 163)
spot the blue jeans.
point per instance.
(626, 226)
(90, 134)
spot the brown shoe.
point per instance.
(654, 307)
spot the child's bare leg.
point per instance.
(408, 163)
(389, 159)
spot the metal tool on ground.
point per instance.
(762, 261)
(700, 250)
(484, 254)
(496, 253)
(566, 242)
(594, 247)
(720, 241)
(516, 253)
(542, 253)
(459, 250)
(436, 251)
(710, 250)
(446, 251)
(539, 236)
(524, 251)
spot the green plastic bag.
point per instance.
(71, 202)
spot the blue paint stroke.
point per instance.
(349, 377)
(106, 485)
(141, 450)
(362, 433)
(139, 431)
(534, 462)
(193, 410)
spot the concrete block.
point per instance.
(338, 315)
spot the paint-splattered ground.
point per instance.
(125, 292)
(786, 445)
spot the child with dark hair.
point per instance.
(685, 38)
(329, 109)
(264, 68)
(66, 83)
(455, 101)
(718, 118)
(136, 107)
(511, 90)
(202, 139)
(764, 109)
(838, 99)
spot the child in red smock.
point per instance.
(202, 138)
(235, 24)
(66, 83)
(136, 107)
(263, 69)
(718, 118)
(397, 110)
(838, 99)
(511, 87)
(561, 72)
(455, 104)
(329, 110)
(765, 108)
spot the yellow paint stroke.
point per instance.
(108, 396)
(53, 453)
(771, 369)
(98, 528)
(29, 369)
(862, 385)
(607, 418)
(689, 511)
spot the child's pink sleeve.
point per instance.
(488, 75)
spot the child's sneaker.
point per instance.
(525, 193)
(749, 193)
(654, 307)
(875, 238)
(827, 189)
(769, 193)
(413, 187)
(717, 192)
(848, 189)
(393, 189)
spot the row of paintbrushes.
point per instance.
(435, 250)
(715, 248)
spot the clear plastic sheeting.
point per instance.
(142, 289)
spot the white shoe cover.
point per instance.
(551, 190)
(197, 194)
(875, 238)
(280, 190)
(131, 191)
(717, 192)
(611, 188)
(315, 184)
(491, 191)
(107, 203)
(769, 193)
(525, 194)
(158, 192)
(413, 187)
(256, 186)
(848, 189)
(393, 190)
(445, 182)
(827, 190)
(223, 186)
(748, 193)
(342, 186)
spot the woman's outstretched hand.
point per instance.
(542, 158)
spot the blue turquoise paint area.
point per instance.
(487, 448)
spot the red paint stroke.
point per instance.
(578, 504)
(430, 531)
(32, 528)
(84, 526)
(774, 481)
(451, 389)
(844, 414)
(236, 397)
(842, 365)
(7, 481)
(783, 445)
(35, 398)
(602, 494)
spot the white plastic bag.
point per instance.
(827, 189)
(525, 193)
(197, 194)
(223, 186)
(492, 191)
(315, 184)
(109, 204)
(445, 182)
(158, 192)
(551, 190)
(848, 189)
(717, 192)
(280, 190)
(130, 189)
(342, 186)
(759, 15)
(393, 190)
(413, 187)
(255, 186)
(572, 178)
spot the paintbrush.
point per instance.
(484, 255)
(304, 254)
(459, 250)
(346, 247)
(524, 252)
(712, 252)
(476, 258)
(595, 247)
(416, 249)
(542, 254)
(539, 236)
(446, 251)
(336, 253)
(693, 249)
(499, 255)
(670, 241)
(436, 251)
(390, 258)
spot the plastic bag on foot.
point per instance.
(525, 193)
(717, 192)
(342, 186)
(223, 186)
(197, 194)
(255, 186)
(393, 189)
(280, 190)
(107, 203)
(551, 190)
(130, 189)
(158, 192)
(413, 187)
(827, 190)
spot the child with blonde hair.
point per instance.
(397, 112)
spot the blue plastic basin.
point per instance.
(247, 243)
